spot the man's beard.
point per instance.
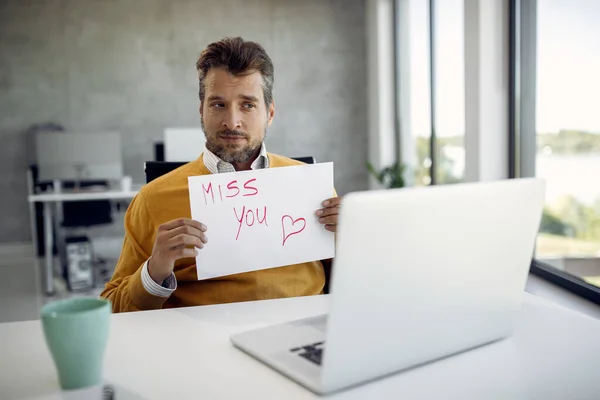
(232, 153)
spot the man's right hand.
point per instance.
(171, 244)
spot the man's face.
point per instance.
(234, 115)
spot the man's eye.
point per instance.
(248, 105)
(218, 105)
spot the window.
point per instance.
(568, 135)
(449, 90)
(435, 41)
(420, 92)
(555, 55)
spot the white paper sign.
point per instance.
(261, 219)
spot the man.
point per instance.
(157, 267)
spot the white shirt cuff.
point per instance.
(165, 290)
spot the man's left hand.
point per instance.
(328, 215)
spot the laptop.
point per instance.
(420, 274)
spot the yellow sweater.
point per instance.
(167, 198)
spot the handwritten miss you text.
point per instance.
(249, 217)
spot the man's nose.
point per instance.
(232, 119)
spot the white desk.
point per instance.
(49, 199)
(186, 353)
(81, 196)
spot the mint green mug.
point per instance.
(76, 332)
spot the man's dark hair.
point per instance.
(238, 57)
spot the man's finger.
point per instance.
(332, 202)
(185, 253)
(331, 228)
(332, 219)
(184, 229)
(185, 239)
(181, 222)
(327, 211)
(188, 246)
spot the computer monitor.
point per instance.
(79, 156)
(183, 144)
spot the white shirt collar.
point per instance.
(215, 165)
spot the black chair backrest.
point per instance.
(305, 160)
(155, 169)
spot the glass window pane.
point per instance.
(568, 135)
(449, 59)
(419, 88)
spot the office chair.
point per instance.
(155, 169)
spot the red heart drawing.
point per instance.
(293, 221)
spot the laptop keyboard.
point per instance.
(312, 352)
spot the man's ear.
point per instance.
(271, 113)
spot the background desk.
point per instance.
(186, 353)
(49, 199)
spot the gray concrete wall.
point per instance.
(129, 65)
